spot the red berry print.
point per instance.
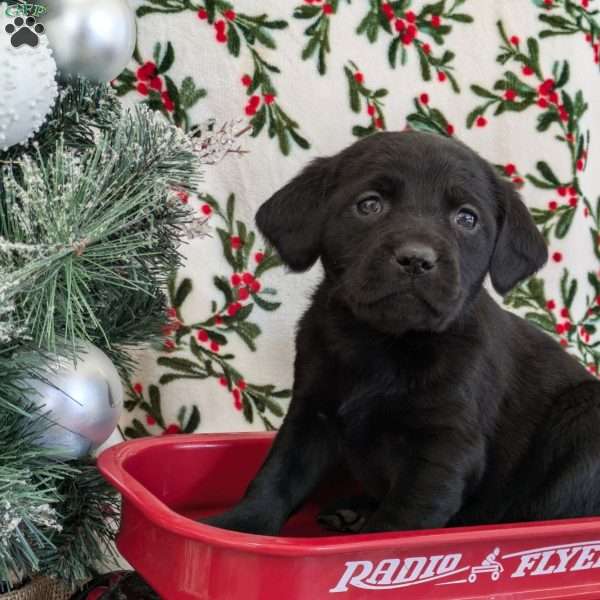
(573, 201)
(409, 35)
(388, 11)
(399, 25)
(202, 14)
(424, 98)
(223, 381)
(370, 110)
(142, 88)
(215, 347)
(327, 9)
(146, 72)
(150, 420)
(172, 430)
(236, 242)
(542, 103)
(359, 77)
(527, 71)
(450, 129)
(229, 15)
(156, 84)
(202, 336)
(206, 209)
(269, 98)
(436, 21)
(241, 384)
(564, 312)
(259, 257)
(243, 294)
(550, 305)
(426, 48)
(233, 309)
(557, 257)
(236, 280)
(138, 389)
(510, 169)
(246, 80)
(514, 40)
(183, 197)
(510, 95)
(255, 287)
(547, 87)
(560, 328)
(410, 16)
(481, 122)
(441, 76)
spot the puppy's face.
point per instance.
(407, 226)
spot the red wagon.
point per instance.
(168, 482)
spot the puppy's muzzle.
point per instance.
(415, 259)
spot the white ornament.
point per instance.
(91, 38)
(81, 403)
(27, 81)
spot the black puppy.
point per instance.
(448, 409)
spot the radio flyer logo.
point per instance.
(448, 569)
(25, 29)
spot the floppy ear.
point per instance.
(292, 219)
(520, 248)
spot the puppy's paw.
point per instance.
(343, 519)
(347, 516)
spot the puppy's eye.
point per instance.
(466, 218)
(369, 204)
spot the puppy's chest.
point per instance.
(373, 432)
(371, 403)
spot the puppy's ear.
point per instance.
(520, 248)
(292, 219)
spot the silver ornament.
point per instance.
(81, 403)
(91, 38)
(27, 81)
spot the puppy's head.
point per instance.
(407, 225)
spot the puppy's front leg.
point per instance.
(303, 450)
(431, 492)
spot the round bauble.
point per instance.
(81, 404)
(27, 80)
(91, 38)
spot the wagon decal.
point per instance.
(447, 569)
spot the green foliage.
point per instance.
(89, 230)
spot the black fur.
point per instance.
(448, 409)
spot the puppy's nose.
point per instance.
(415, 258)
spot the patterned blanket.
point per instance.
(518, 80)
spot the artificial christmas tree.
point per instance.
(90, 224)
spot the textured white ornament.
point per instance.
(28, 84)
(91, 38)
(82, 403)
